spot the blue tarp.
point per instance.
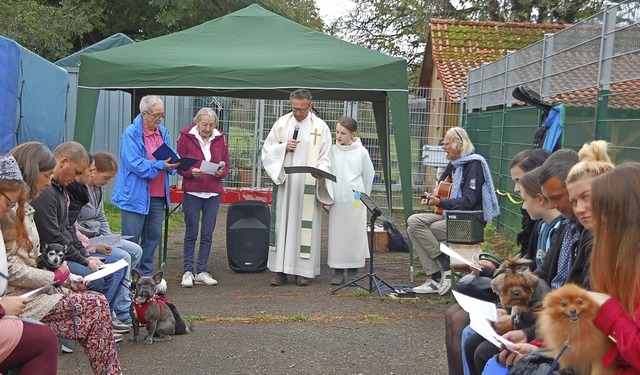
(38, 98)
(555, 123)
(9, 59)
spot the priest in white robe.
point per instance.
(299, 138)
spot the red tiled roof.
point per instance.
(455, 46)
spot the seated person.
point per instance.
(456, 318)
(471, 189)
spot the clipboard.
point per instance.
(165, 152)
(307, 169)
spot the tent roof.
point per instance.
(252, 50)
(115, 40)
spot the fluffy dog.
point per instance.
(518, 289)
(156, 313)
(51, 256)
(567, 317)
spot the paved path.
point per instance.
(245, 326)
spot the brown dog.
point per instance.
(567, 317)
(149, 310)
(518, 289)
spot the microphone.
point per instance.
(221, 165)
(295, 131)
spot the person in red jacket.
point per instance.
(202, 186)
(615, 201)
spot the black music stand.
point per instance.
(375, 213)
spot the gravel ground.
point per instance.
(245, 326)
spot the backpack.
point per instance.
(397, 242)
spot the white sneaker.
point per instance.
(429, 287)
(187, 280)
(205, 278)
(445, 284)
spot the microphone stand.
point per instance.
(373, 278)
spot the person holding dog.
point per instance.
(615, 202)
(471, 189)
(203, 141)
(82, 315)
(29, 346)
(456, 318)
(593, 161)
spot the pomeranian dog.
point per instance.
(520, 290)
(567, 317)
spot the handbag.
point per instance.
(479, 286)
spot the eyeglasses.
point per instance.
(12, 204)
(156, 116)
(300, 110)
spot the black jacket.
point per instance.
(472, 181)
(52, 220)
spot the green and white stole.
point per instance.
(308, 200)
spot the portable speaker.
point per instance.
(465, 227)
(248, 236)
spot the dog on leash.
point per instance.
(519, 289)
(567, 318)
(156, 313)
(51, 256)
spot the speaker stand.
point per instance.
(373, 278)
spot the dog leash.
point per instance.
(555, 361)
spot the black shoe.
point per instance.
(301, 281)
(337, 279)
(279, 279)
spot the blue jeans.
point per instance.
(127, 251)
(100, 285)
(192, 207)
(466, 332)
(115, 286)
(146, 230)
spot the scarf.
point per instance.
(309, 197)
(490, 205)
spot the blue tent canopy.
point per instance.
(33, 98)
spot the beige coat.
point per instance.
(24, 276)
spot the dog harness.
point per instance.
(141, 309)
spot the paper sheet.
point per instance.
(447, 250)
(106, 270)
(111, 240)
(35, 292)
(485, 309)
(209, 167)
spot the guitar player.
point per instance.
(465, 184)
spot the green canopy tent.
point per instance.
(253, 53)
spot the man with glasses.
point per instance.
(471, 189)
(298, 138)
(142, 184)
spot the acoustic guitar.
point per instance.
(443, 191)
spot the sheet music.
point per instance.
(447, 250)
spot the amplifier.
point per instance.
(465, 227)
